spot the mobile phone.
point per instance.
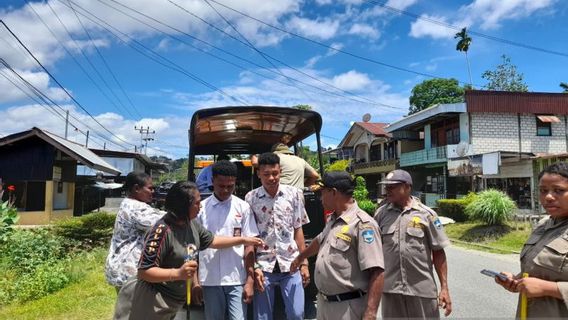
(494, 274)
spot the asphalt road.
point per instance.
(474, 296)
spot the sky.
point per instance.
(120, 64)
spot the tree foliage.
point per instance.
(339, 165)
(564, 86)
(505, 77)
(463, 46)
(435, 91)
(303, 107)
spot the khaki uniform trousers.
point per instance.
(344, 310)
(398, 306)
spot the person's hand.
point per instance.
(535, 287)
(253, 241)
(445, 302)
(510, 283)
(305, 273)
(259, 279)
(187, 270)
(295, 265)
(197, 294)
(248, 291)
(370, 315)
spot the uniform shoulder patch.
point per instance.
(368, 235)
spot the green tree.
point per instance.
(303, 107)
(463, 46)
(339, 165)
(435, 91)
(505, 77)
(564, 86)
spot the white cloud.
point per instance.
(364, 30)
(351, 81)
(488, 14)
(39, 80)
(320, 28)
(168, 129)
(422, 28)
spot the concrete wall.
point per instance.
(500, 132)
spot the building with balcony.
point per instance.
(373, 153)
(490, 141)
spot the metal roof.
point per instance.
(516, 102)
(70, 148)
(249, 129)
(426, 114)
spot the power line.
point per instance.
(170, 64)
(368, 101)
(109, 69)
(59, 84)
(47, 101)
(330, 47)
(472, 32)
(72, 55)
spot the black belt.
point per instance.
(343, 296)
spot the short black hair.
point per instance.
(224, 168)
(135, 178)
(223, 156)
(268, 158)
(180, 197)
(559, 168)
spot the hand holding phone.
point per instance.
(494, 274)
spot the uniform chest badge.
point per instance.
(343, 236)
(415, 222)
(345, 229)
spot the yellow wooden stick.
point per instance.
(524, 302)
(188, 282)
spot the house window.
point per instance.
(453, 136)
(543, 126)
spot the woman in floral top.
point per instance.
(135, 217)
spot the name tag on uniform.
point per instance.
(343, 236)
(236, 232)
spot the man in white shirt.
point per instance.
(226, 275)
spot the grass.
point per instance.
(505, 238)
(90, 297)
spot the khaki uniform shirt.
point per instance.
(545, 256)
(409, 237)
(294, 170)
(349, 245)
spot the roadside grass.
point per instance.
(496, 239)
(89, 297)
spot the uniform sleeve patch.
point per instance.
(368, 235)
(437, 223)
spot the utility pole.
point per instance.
(87, 142)
(145, 136)
(66, 122)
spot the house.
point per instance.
(490, 141)
(372, 151)
(90, 191)
(42, 167)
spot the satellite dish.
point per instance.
(366, 117)
(462, 148)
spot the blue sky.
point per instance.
(273, 67)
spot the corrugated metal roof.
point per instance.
(551, 119)
(375, 128)
(516, 102)
(72, 149)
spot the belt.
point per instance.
(343, 296)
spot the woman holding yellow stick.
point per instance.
(544, 258)
(160, 288)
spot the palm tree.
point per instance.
(463, 45)
(564, 86)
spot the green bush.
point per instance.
(339, 165)
(492, 207)
(360, 193)
(91, 230)
(8, 217)
(367, 206)
(455, 208)
(47, 278)
(27, 249)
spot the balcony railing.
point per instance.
(378, 166)
(424, 156)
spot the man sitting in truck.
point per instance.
(295, 170)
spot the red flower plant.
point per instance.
(11, 188)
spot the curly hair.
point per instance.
(559, 168)
(224, 168)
